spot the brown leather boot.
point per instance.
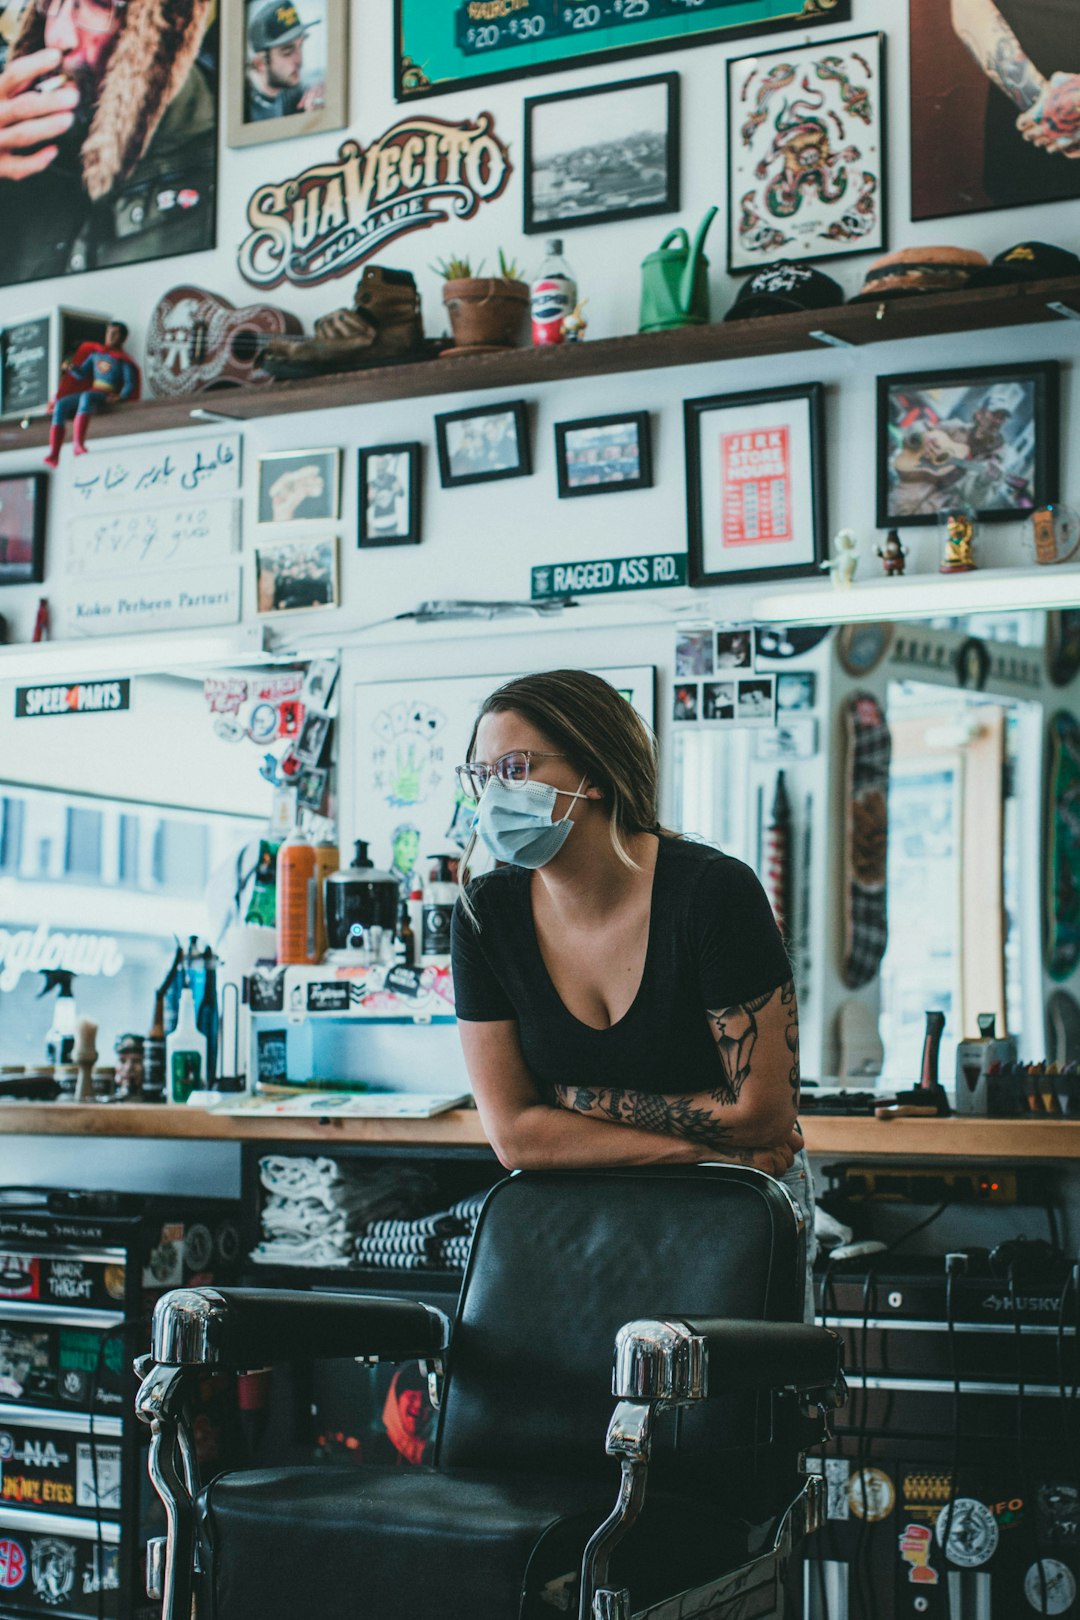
(383, 325)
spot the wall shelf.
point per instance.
(920, 596)
(852, 325)
(969, 1138)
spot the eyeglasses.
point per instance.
(93, 16)
(511, 769)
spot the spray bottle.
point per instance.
(60, 1041)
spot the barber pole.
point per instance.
(778, 857)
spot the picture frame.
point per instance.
(575, 177)
(982, 438)
(297, 487)
(250, 117)
(389, 495)
(601, 455)
(22, 528)
(827, 208)
(34, 352)
(296, 575)
(433, 58)
(755, 485)
(483, 443)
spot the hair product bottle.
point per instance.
(296, 911)
(185, 1051)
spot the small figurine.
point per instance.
(959, 537)
(574, 325)
(99, 375)
(893, 554)
(842, 567)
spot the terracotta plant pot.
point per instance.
(487, 312)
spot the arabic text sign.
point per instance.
(182, 470)
(185, 535)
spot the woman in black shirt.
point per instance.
(623, 995)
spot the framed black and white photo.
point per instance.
(601, 454)
(22, 529)
(292, 576)
(806, 152)
(982, 438)
(755, 485)
(286, 69)
(483, 443)
(390, 495)
(601, 154)
(299, 486)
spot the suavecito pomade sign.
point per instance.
(330, 218)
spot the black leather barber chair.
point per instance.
(694, 1275)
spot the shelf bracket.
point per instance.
(1066, 311)
(831, 341)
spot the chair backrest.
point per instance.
(560, 1260)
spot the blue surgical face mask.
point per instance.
(515, 825)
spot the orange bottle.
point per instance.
(296, 890)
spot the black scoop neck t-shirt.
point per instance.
(713, 942)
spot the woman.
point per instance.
(623, 995)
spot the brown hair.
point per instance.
(603, 737)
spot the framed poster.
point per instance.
(984, 439)
(286, 69)
(134, 177)
(22, 529)
(409, 735)
(993, 106)
(601, 154)
(806, 152)
(755, 485)
(442, 45)
(389, 495)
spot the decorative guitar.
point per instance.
(198, 342)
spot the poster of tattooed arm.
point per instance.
(995, 104)
(806, 152)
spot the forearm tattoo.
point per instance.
(695, 1117)
(997, 50)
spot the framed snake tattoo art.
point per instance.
(806, 153)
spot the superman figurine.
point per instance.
(100, 374)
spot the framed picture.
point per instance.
(299, 486)
(390, 495)
(22, 529)
(967, 152)
(141, 155)
(601, 154)
(984, 438)
(483, 443)
(286, 69)
(806, 152)
(292, 576)
(439, 47)
(602, 454)
(755, 485)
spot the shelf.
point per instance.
(852, 325)
(920, 596)
(1003, 1140)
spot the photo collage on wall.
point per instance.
(716, 681)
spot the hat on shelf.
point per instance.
(920, 270)
(779, 288)
(278, 23)
(1027, 261)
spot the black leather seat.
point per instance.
(497, 1528)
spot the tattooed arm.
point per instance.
(997, 50)
(756, 1096)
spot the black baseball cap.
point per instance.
(779, 288)
(278, 23)
(1027, 261)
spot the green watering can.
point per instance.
(675, 281)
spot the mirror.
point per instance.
(130, 812)
(970, 873)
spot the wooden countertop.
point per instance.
(1004, 1140)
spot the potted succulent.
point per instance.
(486, 312)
